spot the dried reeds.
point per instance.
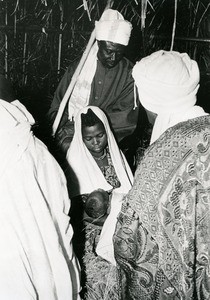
(40, 38)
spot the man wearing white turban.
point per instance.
(105, 81)
(161, 240)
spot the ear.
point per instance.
(84, 197)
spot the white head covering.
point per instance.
(113, 28)
(89, 178)
(15, 132)
(167, 83)
(83, 166)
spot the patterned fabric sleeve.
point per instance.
(162, 235)
(202, 244)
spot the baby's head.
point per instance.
(97, 203)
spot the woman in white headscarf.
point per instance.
(96, 164)
(161, 241)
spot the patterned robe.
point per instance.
(162, 243)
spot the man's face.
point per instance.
(110, 53)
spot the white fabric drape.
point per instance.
(111, 27)
(36, 257)
(81, 92)
(84, 166)
(90, 178)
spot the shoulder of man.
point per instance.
(73, 65)
(127, 63)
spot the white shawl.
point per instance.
(111, 27)
(84, 166)
(89, 177)
(81, 91)
(36, 257)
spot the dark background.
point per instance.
(40, 38)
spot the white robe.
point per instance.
(36, 257)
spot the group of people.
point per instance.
(100, 230)
(104, 81)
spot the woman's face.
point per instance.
(95, 139)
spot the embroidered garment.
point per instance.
(161, 242)
(109, 172)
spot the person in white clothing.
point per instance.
(99, 176)
(37, 261)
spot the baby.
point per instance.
(97, 204)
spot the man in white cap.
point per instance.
(162, 236)
(105, 81)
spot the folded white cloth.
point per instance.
(113, 28)
(105, 247)
(81, 92)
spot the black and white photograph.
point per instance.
(105, 149)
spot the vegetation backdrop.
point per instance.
(40, 38)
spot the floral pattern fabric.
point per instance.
(162, 244)
(109, 172)
(101, 276)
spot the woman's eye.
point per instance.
(87, 139)
(101, 135)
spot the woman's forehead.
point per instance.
(93, 130)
